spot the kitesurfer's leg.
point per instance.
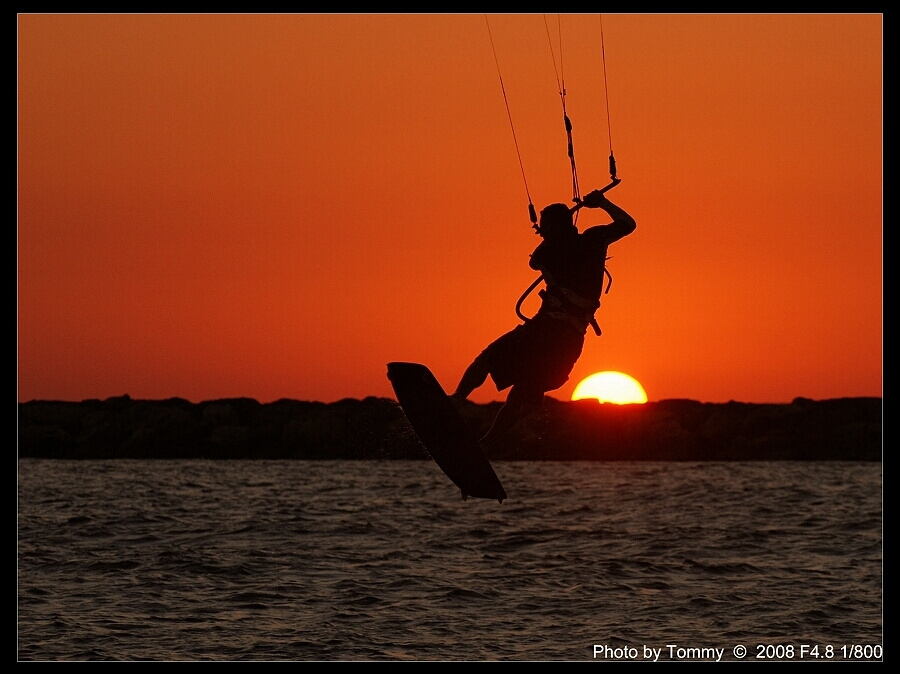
(474, 376)
(512, 410)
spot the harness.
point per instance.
(566, 305)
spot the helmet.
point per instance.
(556, 219)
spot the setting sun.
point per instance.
(610, 387)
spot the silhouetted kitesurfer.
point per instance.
(539, 355)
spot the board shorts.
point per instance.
(538, 355)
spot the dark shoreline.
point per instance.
(842, 429)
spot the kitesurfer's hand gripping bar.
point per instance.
(580, 202)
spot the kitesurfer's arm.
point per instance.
(622, 224)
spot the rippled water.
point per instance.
(367, 560)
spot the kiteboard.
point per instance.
(445, 434)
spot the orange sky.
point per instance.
(275, 206)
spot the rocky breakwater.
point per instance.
(376, 428)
